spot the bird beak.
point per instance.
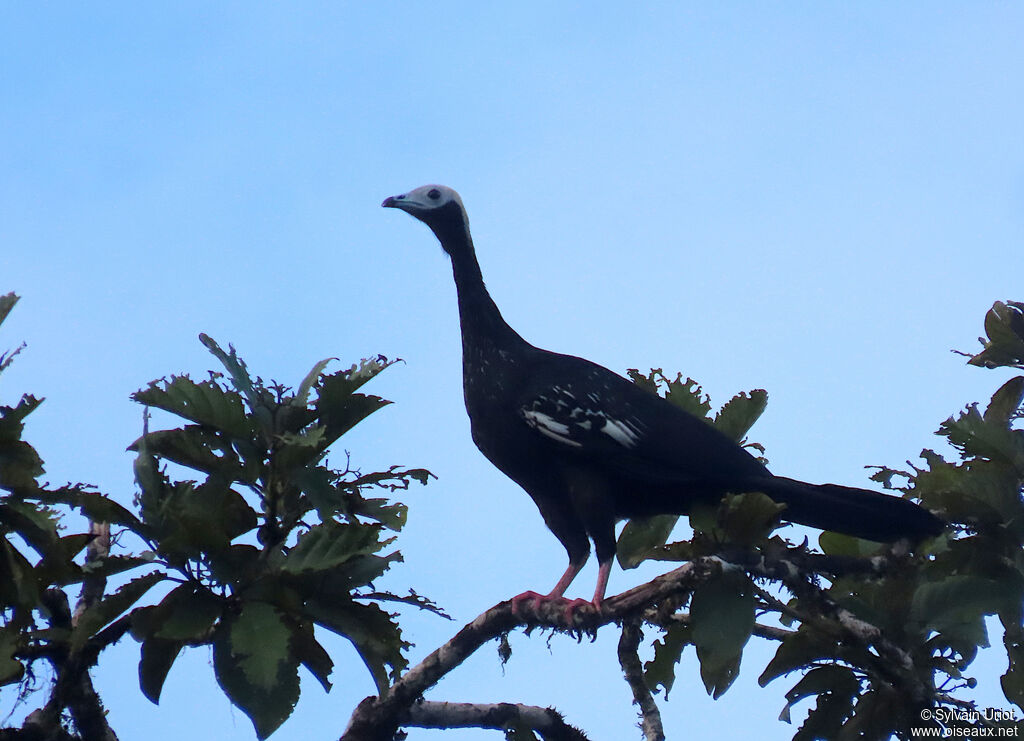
(393, 202)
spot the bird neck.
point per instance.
(481, 322)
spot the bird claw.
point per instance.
(535, 597)
(571, 605)
(575, 604)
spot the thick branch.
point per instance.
(87, 710)
(629, 660)
(377, 718)
(547, 722)
(93, 586)
(73, 688)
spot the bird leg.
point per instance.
(556, 593)
(603, 571)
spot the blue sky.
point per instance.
(819, 199)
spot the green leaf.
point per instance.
(205, 403)
(12, 419)
(687, 395)
(36, 525)
(11, 670)
(640, 536)
(975, 436)
(831, 679)
(339, 409)
(200, 449)
(96, 507)
(1004, 325)
(1006, 402)
(798, 649)
(209, 516)
(18, 585)
(877, 714)
(301, 449)
(740, 413)
(661, 670)
(827, 718)
(312, 655)
(392, 515)
(394, 479)
(360, 373)
(748, 518)
(236, 369)
(7, 302)
(189, 520)
(157, 658)
(20, 464)
(980, 490)
(416, 600)
(331, 496)
(238, 564)
(302, 393)
(109, 608)
(722, 618)
(837, 544)
(375, 635)
(329, 544)
(57, 567)
(186, 614)
(256, 667)
(958, 602)
(344, 578)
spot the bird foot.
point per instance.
(537, 600)
(575, 604)
(535, 597)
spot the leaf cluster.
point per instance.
(272, 542)
(253, 542)
(876, 633)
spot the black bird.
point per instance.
(592, 448)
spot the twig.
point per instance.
(629, 660)
(769, 632)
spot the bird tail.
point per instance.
(858, 512)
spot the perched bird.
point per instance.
(592, 448)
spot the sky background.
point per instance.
(819, 199)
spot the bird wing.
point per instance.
(587, 412)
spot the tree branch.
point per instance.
(499, 716)
(93, 586)
(378, 718)
(629, 660)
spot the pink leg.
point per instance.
(602, 583)
(556, 593)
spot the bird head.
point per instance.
(440, 208)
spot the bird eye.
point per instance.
(434, 194)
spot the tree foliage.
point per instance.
(250, 543)
(258, 547)
(880, 638)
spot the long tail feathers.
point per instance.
(858, 512)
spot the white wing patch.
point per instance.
(550, 427)
(559, 416)
(623, 433)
